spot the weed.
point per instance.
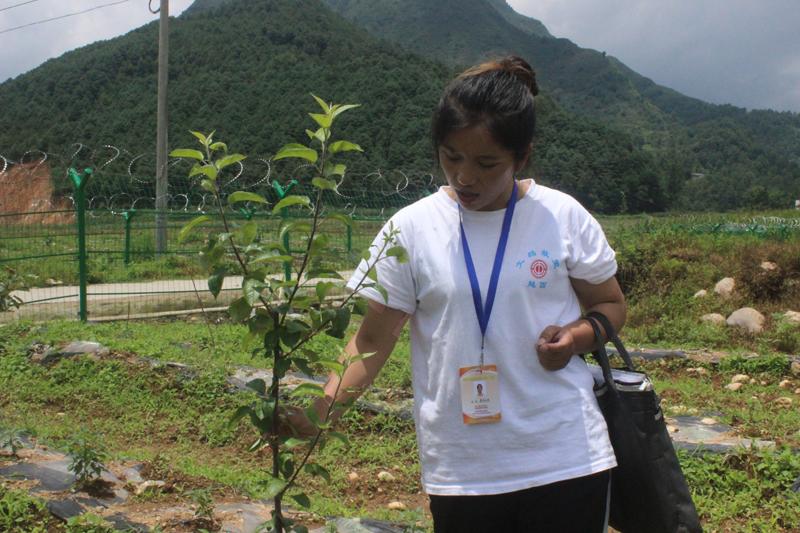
(776, 365)
(11, 439)
(88, 523)
(86, 461)
(19, 513)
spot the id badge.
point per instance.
(480, 394)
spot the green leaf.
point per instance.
(219, 146)
(209, 186)
(339, 323)
(382, 290)
(321, 135)
(260, 324)
(344, 146)
(202, 138)
(215, 281)
(308, 389)
(366, 255)
(258, 385)
(323, 273)
(341, 108)
(322, 183)
(271, 257)
(399, 252)
(293, 443)
(300, 226)
(244, 196)
(302, 500)
(322, 103)
(344, 219)
(320, 242)
(229, 160)
(246, 233)
(340, 437)
(316, 470)
(360, 306)
(334, 170)
(251, 289)
(290, 201)
(240, 413)
(239, 310)
(274, 487)
(295, 150)
(334, 366)
(282, 366)
(209, 171)
(324, 121)
(189, 226)
(187, 153)
(323, 288)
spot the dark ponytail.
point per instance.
(498, 94)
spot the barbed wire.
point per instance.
(124, 181)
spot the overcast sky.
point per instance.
(743, 52)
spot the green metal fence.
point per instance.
(93, 261)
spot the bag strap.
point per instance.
(612, 336)
(600, 354)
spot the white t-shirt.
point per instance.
(551, 427)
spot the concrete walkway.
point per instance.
(107, 301)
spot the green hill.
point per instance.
(752, 151)
(246, 67)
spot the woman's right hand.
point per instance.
(295, 423)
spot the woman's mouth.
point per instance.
(465, 197)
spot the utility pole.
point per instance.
(161, 135)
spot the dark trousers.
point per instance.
(573, 506)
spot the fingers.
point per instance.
(555, 347)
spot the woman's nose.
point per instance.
(463, 178)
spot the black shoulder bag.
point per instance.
(648, 490)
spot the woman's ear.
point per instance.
(522, 163)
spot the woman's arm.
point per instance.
(557, 344)
(378, 333)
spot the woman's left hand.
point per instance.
(555, 347)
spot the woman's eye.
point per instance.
(487, 165)
(451, 157)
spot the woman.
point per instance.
(498, 272)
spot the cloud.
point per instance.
(24, 49)
(723, 51)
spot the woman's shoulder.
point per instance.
(422, 210)
(555, 201)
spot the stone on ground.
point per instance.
(714, 318)
(748, 319)
(700, 294)
(724, 287)
(793, 317)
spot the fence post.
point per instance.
(79, 182)
(349, 238)
(128, 216)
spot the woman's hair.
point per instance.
(498, 94)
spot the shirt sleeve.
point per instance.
(394, 276)
(591, 258)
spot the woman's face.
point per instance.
(480, 171)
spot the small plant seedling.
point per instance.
(12, 439)
(86, 462)
(281, 313)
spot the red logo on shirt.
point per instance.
(538, 269)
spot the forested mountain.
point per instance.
(736, 151)
(246, 67)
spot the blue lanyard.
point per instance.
(484, 313)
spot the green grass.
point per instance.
(159, 414)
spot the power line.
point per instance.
(17, 5)
(62, 16)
